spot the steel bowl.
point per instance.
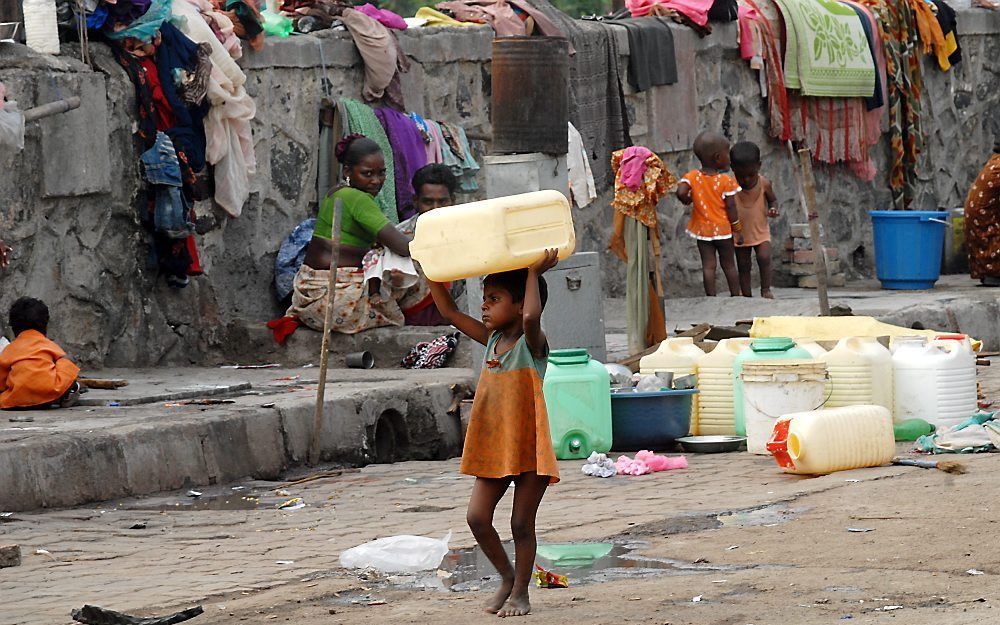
(8, 31)
(711, 444)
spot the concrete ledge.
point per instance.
(80, 455)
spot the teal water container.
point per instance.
(578, 399)
(775, 348)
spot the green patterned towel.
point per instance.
(361, 119)
(826, 50)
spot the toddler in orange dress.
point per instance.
(508, 439)
(713, 217)
(34, 371)
(754, 204)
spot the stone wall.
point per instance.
(68, 199)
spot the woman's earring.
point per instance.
(347, 180)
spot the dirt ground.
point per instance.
(734, 540)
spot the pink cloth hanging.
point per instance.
(386, 17)
(633, 166)
(697, 10)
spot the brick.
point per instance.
(833, 280)
(801, 231)
(807, 257)
(10, 555)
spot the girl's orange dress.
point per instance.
(509, 428)
(709, 192)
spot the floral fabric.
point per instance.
(982, 222)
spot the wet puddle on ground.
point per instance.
(465, 570)
(767, 516)
(241, 498)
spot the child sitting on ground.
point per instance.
(34, 371)
(508, 437)
(713, 218)
(754, 204)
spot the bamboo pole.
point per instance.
(52, 108)
(324, 357)
(807, 195)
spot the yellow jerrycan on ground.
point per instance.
(833, 439)
(679, 356)
(491, 236)
(716, 412)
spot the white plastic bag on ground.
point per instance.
(397, 554)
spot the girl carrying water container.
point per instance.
(508, 438)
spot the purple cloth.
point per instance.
(127, 11)
(385, 16)
(408, 155)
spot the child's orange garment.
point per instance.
(34, 371)
(509, 428)
(751, 206)
(708, 217)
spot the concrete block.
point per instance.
(510, 174)
(10, 555)
(798, 269)
(832, 280)
(76, 158)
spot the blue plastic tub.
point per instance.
(908, 248)
(652, 420)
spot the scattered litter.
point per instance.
(442, 574)
(634, 599)
(22, 419)
(194, 493)
(205, 402)
(599, 465)
(374, 603)
(93, 615)
(269, 405)
(114, 404)
(860, 530)
(270, 366)
(975, 572)
(288, 378)
(852, 481)
(308, 366)
(697, 599)
(732, 547)
(282, 493)
(397, 554)
(238, 487)
(284, 562)
(548, 579)
(890, 608)
(411, 480)
(292, 504)
(138, 526)
(702, 561)
(719, 581)
(45, 552)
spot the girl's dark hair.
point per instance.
(28, 313)
(514, 282)
(743, 154)
(352, 148)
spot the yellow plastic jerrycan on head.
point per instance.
(834, 439)
(491, 236)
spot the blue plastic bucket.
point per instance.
(651, 420)
(908, 247)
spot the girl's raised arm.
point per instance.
(469, 326)
(531, 315)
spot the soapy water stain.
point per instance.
(766, 516)
(469, 570)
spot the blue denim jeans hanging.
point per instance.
(163, 172)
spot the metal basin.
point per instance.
(711, 444)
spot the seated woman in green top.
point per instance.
(362, 225)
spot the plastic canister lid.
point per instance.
(569, 356)
(772, 344)
(951, 337)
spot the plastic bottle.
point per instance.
(835, 439)
(41, 29)
(774, 348)
(911, 429)
(491, 236)
(934, 380)
(680, 356)
(860, 372)
(578, 399)
(716, 414)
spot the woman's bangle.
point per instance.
(737, 226)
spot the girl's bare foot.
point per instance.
(496, 602)
(767, 294)
(517, 605)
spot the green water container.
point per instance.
(775, 348)
(578, 399)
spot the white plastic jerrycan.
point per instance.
(860, 371)
(680, 356)
(491, 236)
(716, 411)
(934, 380)
(833, 439)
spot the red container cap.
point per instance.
(952, 337)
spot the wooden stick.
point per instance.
(324, 357)
(52, 108)
(807, 195)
